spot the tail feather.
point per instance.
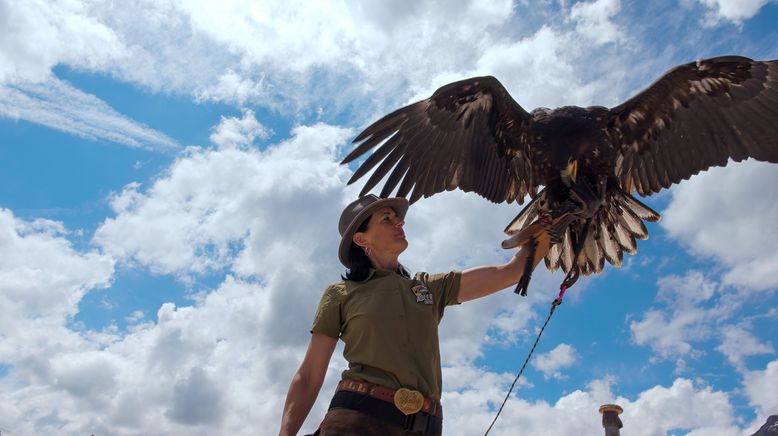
(591, 252)
(608, 244)
(614, 230)
(566, 256)
(640, 209)
(631, 220)
(554, 257)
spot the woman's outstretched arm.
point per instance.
(484, 280)
(306, 383)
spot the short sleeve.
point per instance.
(328, 315)
(444, 287)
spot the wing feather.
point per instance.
(469, 135)
(696, 116)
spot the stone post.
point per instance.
(610, 419)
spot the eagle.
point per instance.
(474, 136)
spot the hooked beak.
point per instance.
(571, 170)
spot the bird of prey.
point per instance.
(473, 136)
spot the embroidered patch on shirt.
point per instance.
(423, 295)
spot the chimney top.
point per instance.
(611, 408)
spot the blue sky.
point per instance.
(170, 187)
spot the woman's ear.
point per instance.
(359, 239)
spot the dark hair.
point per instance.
(360, 263)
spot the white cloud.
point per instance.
(672, 332)
(670, 336)
(693, 313)
(685, 291)
(760, 388)
(37, 35)
(302, 57)
(739, 343)
(42, 280)
(239, 132)
(41, 275)
(725, 213)
(551, 363)
(232, 87)
(58, 105)
(593, 20)
(735, 11)
(655, 411)
(194, 220)
(240, 52)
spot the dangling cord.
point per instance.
(556, 303)
(570, 279)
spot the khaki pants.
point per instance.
(347, 422)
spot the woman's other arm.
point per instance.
(306, 383)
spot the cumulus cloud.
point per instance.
(694, 312)
(312, 60)
(764, 399)
(739, 343)
(685, 291)
(38, 35)
(672, 332)
(239, 132)
(232, 87)
(41, 275)
(593, 20)
(42, 280)
(725, 214)
(551, 363)
(191, 221)
(655, 411)
(735, 11)
(211, 53)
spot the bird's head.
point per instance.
(571, 133)
(570, 171)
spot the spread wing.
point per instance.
(696, 116)
(469, 135)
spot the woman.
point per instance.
(388, 322)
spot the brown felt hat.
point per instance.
(357, 212)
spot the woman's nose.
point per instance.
(399, 223)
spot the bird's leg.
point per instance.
(523, 284)
(589, 201)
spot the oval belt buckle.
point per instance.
(408, 401)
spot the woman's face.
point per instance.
(385, 233)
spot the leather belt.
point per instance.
(416, 423)
(429, 406)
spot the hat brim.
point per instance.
(400, 206)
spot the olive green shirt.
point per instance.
(389, 324)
